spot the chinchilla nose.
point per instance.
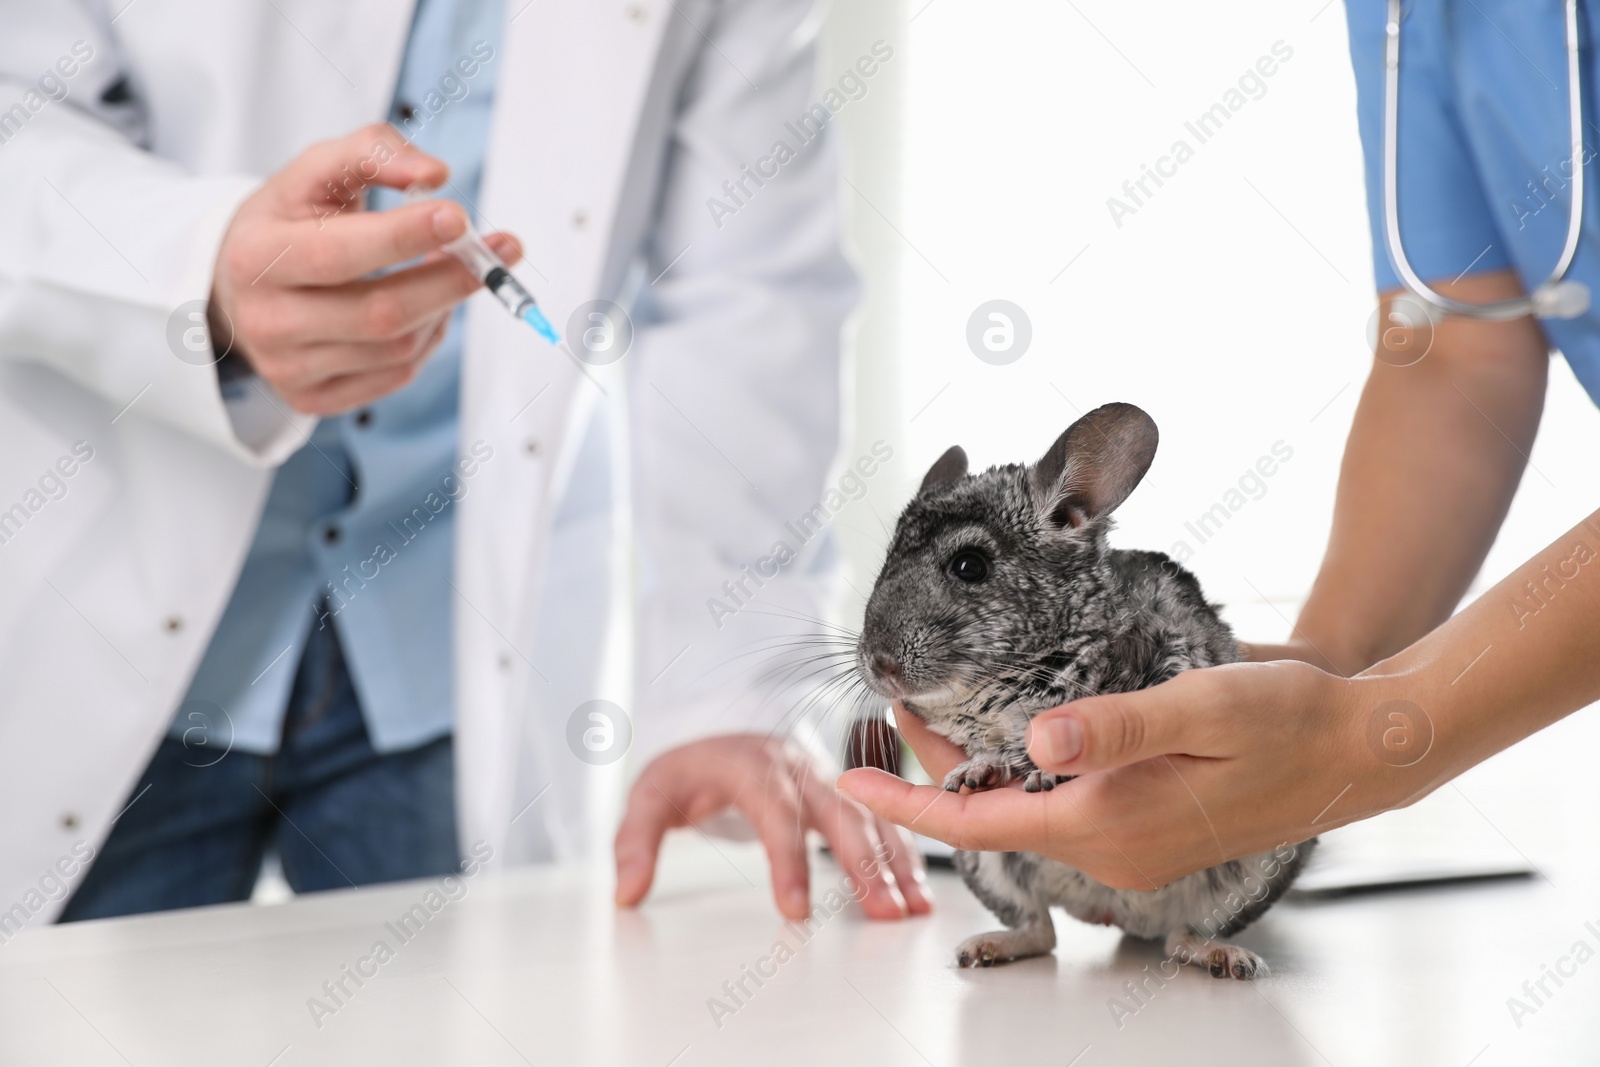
(885, 665)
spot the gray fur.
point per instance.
(1059, 615)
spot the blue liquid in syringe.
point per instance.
(519, 302)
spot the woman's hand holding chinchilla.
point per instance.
(1172, 779)
(1225, 761)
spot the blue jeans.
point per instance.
(338, 812)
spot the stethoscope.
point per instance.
(1556, 297)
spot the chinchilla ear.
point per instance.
(1093, 467)
(947, 468)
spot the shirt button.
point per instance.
(580, 219)
(364, 418)
(533, 446)
(406, 112)
(636, 13)
(330, 534)
(505, 661)
(173, 623)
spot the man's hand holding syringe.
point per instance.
(295, 276)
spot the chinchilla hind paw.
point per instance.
(1220, 958)
(1036, 938)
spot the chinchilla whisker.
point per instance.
(829, 696)
(852, 702)
(779, 647)
(764, 661)
(875, 515)
(823, 695)
(777, 611)
(777, 641)
(813, 637)
(798, 664)
(801, 673)
(788, 652)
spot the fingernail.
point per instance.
(504, 246)
(898, 899)
(798, 901)
(447, 223)
(1063, 739)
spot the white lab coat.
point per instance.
(614, 123)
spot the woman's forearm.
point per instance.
(1521, 656)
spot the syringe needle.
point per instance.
(473, 251)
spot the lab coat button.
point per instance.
(505, 661)
(174, 623)
(580, 219)
(406, 112)
(364, 418)
(636, 13)
(117, 93)
(69, 820)
(532, 446)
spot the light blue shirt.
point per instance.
(1485, 167)
(358, 529)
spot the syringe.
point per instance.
(471, 249)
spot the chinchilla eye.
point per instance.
(969, 565)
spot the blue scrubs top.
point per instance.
(1485, 165)
(358, 530)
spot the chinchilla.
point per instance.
(999, 598)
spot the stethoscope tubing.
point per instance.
(1498, 310)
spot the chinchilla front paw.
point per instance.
(1042, 781)
(979, 773)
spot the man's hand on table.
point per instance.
(778, 791)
